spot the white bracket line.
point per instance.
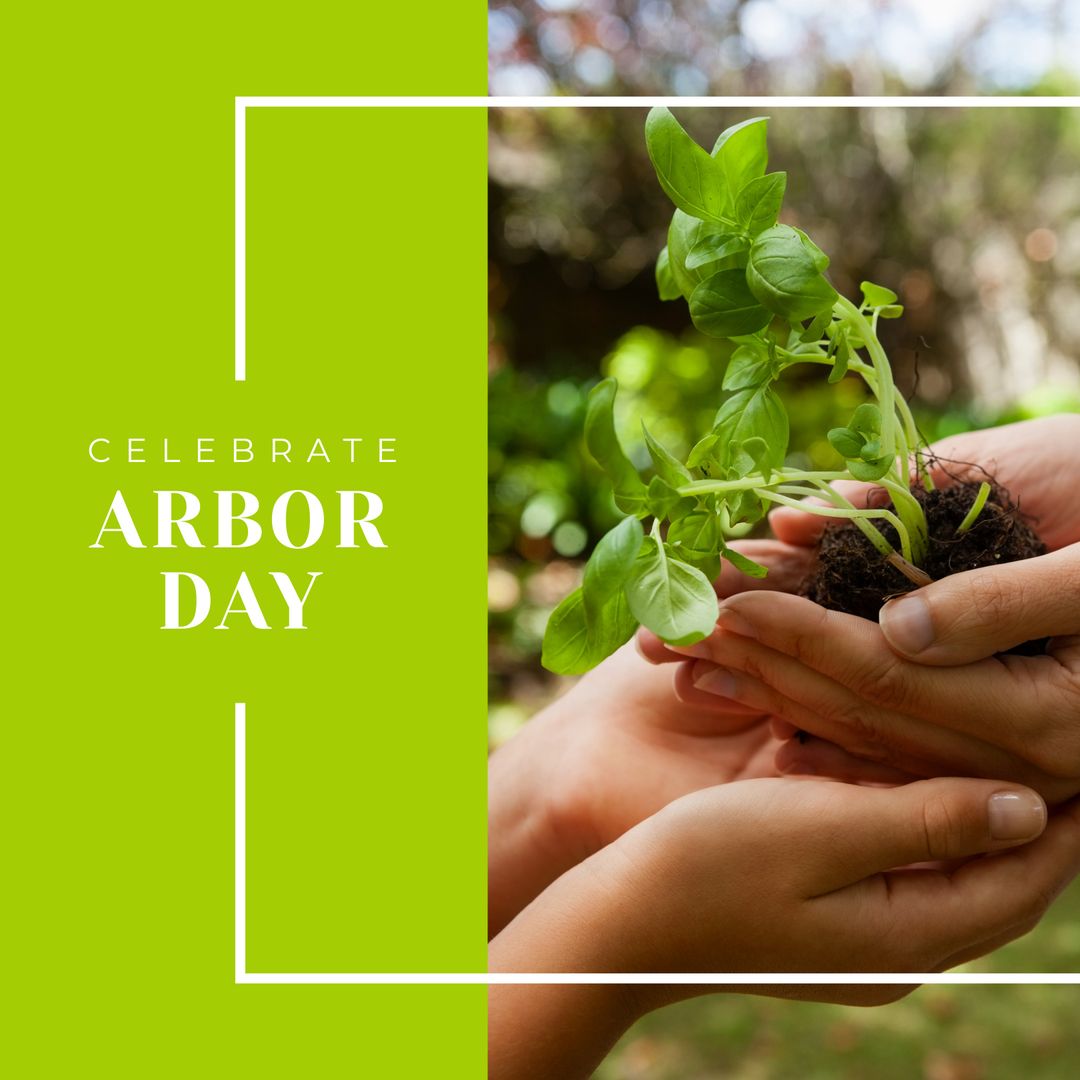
(241, 974)
(483, 978)
(240, 241)
(242, 104)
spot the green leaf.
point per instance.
(816, 255)
(674, 600)
(610, 564)
(715, 246)
(871, 451)
(574, 642)
(691, 179)
(847, 443)
(876, 295)
(749, 366)
(702, 451)
(785, 276)
(869, 471)
(741, 562)
(698, 543)
(666, 285)
(603, 444)
(843, 356)
(754, 413)
(743, 508)
(759, 202)
(723, 306)
(684, 233)
(758, 451)
(667, 464)
(818, 325)
(891, 311)
(742, 153)
(866, 419)
(695, 537)
(663, 498)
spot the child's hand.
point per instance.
(618, 747)
(623, 742)
(796, 875)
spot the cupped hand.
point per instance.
(925, 692)
(791, 875)
(621, 744)
(836, 677)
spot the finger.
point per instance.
(691, 687)
(976, 614)
(988, 945)
(1023, 704)
(782, 729)
(810, 756)
(871, 830)
(801, 528)
(652, 649)
(959, 914)
(855, 713)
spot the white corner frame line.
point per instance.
(241, 974)
(242, 104)
(483, 978)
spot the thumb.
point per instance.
(975, 614)
(927, 821)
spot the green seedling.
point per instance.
(763, 287)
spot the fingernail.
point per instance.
(906, 624)
(715, 680)
(699, 650)
(1016, 815)
(735, 623)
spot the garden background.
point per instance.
(973, 216)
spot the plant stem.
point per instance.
(746, 483)
(873, 534)
(894, 438)
(976, 509)
(886, 392)
(852, 513)
(909, 510)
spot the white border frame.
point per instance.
(241, 974)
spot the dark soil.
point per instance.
(851, 575)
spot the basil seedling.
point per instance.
(762, 286)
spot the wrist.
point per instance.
(527, 847)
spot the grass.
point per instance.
(936, 1033)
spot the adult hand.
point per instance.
(797, 875)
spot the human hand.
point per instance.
(797, 875)
(836, 676)
(841, 678)
(623, 742)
